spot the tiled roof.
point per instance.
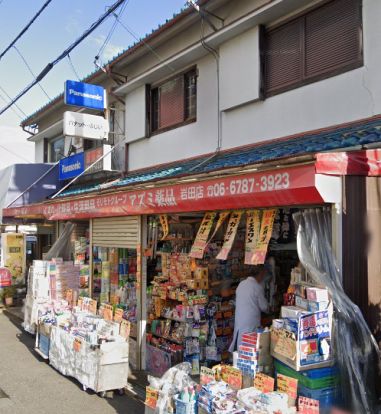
(342, 137)
(168, 23)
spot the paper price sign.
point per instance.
(125, 328)
(80, 303)
(118, 315)
(107, 312)
(207, 375)
(93, 306)
(77, 344)
(264, 382)
(308, 406)
(69, 295)
(152, 396)
(287, 385)
(232, 376)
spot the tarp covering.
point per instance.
(356, 352)
(15, 179)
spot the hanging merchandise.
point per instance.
(231, 232)
(164, 225)
(199, 245)
(264, 236)
(253, 224)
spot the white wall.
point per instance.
(39, 151)
(196, 138)
(136, 114)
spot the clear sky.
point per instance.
(58, 26)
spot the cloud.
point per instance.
(110, 51)
(73, 26)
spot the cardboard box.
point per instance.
(201, 273)
(317, 294)
(317, 306)
(301, 302)
(292, 312)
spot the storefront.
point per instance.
(188, 313)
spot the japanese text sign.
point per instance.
(230, 234)
(264, 382)
(265, 233)
(253, 223)
(201, 241)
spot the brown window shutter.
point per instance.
(333, 37)
(284, 55)
(171, 98)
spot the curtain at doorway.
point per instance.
(355, 349)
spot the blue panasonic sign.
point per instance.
(84, 95)
(72, 166)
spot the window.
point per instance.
(174, 102)
(57, 149)
(321, 43)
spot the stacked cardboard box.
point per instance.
(254, 353)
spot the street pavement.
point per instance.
(32, 386)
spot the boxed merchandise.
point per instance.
(316, 306)
(291, 312)
(317, 294)
(301, 302)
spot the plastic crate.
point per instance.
(326, 396)
(317, 378)
(186, 407)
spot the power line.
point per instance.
(73, 68)
(111, 32)
(50, 65)
(13, 109)
(5, 93)
(13, 153)
(25, 28)
(149, 47)
(31, 71)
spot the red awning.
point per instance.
(364, 162)
(299, 185)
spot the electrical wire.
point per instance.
(25, 29)
(5, 93)
(135, 36)
(50, 65)
(111, 32)
(13, 109)
(16, 155)
(72, 67)
(31, 71)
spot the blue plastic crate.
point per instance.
(44, 344)
(326, 396)
(186, 407)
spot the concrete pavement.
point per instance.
(33, 387)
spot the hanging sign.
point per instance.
(265, 233)
(308, 406)
(164, 225)
(5, 277)
(201, 241)
(253, 224)
(84, 95)
(231, 232)
(221, 218)
(78, 124)
(263, 382)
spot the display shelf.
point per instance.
(167, 338)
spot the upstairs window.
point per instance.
(319, 44)
(174, 102)
(57, 149)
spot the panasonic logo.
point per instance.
(72, 167)
(85, 95)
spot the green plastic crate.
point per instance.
(305, 380)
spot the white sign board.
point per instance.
(76, 124)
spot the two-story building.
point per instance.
(248, 91)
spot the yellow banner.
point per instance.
(164, 225)
(253, 225)
(201, 241)
(230, 234)
(264, 236)
(221, 218)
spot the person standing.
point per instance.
(250, 302)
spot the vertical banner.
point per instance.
(253, 225)
(164, 225)
(221, 218)
(14, 255)
(201, 241)
(264, 236)
(231, 232)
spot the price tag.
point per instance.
(264, 382)
(152, 396)
(69, 296)
(232, 376)
(80, 303)
(107, 312)
(77, 344)
(118, 316)
(125, 327)
(287, 385)
(93, 306)
(207, 375)
(114, 299)
(308, 406)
